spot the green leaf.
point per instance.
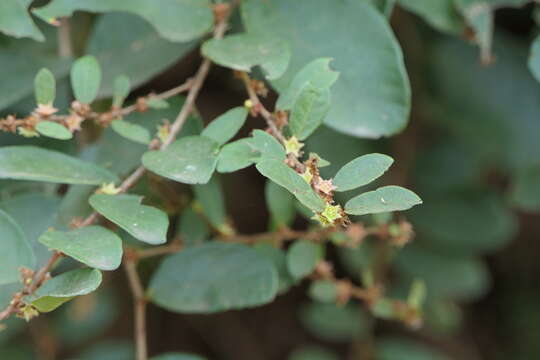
(190, 160)
(126, 44)
(280, 204)
(313, 353)
(223, 128)
(35, 213)
(213, 277)
(534, 58)
(16, 251)
(131, 131)
(237, 155)
(384, 199)
(325, 291)
(372, 97)
(192, 229)
(445, 275)
(180, 20)
(45, 87)
(244, 51)
(20, 60)
(121, 89)
(144, 223)
(210, 197)
(405, 349)
(316, 75)
(157, 103)
(281, 174)
(309, 111)
(64, 287)
(361, 171)
(525, 192)
(53, 130)
(279, 258)
(177, 356)
(33, 163)
(450, 222)
(86, 78)
(335, 323)
(109, 350)
(302, 257)
(16, 21)
(94, 246)
(441, 14)
(267, 146)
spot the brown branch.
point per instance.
(65, 47)
(171, 248)
(139, 305)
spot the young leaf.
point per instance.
(325, 291)
(15, 249)
(227, 276)
(361, 106)
(244, 51)
(384, 199)
(281, 174)
(302, 257)
(64, 287)
(94, 246)
(85, 79)
(309, 111)
(180, 20)
(121, 90)
(280, 204)
(130, 131)
(144, 223)
(210, 197)
(316, 75)
(157, 103)
(45, 87)
(223, 128)
(37, 164)
(361, 171)
(190, 160)
(53, 130)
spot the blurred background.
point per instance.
(471, 150)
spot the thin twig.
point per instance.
(139, 306)
(171, 248)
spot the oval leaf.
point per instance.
(94, 246)
(372, 96)
(15, 248)
(130, 131)
(86, 78)
(121, 89)
(180, 20)
(226, 126)
(45, 87)
(64, 287)
(190, 160)
(309, 111)
(188, 282)
(37, 164)
(281, 174)
(143, 222)
(361, 171)
(53, 130)
(385, 199)
(302, 257)
(244, 51)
